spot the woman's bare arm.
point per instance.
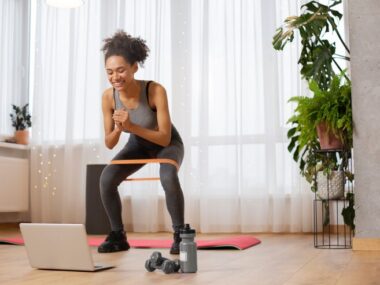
(112, 130)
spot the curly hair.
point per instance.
(133, 49)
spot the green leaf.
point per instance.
(296, 153)
(277, 39)
(291, 132)
(292, 143)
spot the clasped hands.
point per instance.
(121, 119)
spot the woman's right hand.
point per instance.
(112, 129)
(118, 127)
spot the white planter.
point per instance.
(332, 188)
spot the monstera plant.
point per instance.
(318, 55)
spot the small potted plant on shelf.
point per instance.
(324, 120)
(21, 121)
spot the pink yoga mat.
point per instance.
(235, 242)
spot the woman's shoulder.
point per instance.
(108, 92)
(155, 87)
(107, 96)
(157, 95)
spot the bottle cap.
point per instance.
(187, 230)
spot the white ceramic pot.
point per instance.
(331, 187)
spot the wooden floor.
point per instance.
(279, 259)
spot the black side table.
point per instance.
(338, 235)
(96, 217)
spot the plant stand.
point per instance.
(330, 231)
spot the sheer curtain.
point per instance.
(66, 109)
(240, 176)
(14, 15)
(228, 92)
(14, 51)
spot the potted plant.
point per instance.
(317, 60)
(332, 108)
(323, 121)
(327, 115)
(21, 120)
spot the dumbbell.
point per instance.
(156, 261)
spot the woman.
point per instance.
(141, 109)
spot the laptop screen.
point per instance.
(57, 246)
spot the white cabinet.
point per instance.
(14, 178)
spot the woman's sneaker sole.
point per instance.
(113, 248)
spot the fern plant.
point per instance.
(332, 106)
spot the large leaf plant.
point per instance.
(318, 54)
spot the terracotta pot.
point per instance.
(22, 137)
(327, 139)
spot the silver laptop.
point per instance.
(58, 246)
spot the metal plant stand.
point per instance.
(330, 231)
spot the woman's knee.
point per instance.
(168, 176)
(109, 178)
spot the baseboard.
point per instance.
(372, 244)
(338, 229)
(6, 226)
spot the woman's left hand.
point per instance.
(122, 117)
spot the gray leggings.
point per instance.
(113, 175)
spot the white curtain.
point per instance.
(241, 177)
(228, 92)
(14, 51)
